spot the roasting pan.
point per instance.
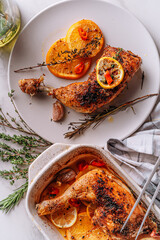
(56, 157)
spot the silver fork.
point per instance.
(139, 198)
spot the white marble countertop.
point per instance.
(16, 225)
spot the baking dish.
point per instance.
(58, 156)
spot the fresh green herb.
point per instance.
(83, 124)
(72, 54)
(19, 151)
(118, 53)
(13, 199)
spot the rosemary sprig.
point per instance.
(71, 55)
(13, 199)
(83, 124)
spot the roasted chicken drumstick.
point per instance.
(88, 96)
(112, 197)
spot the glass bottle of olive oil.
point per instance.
(9, 21)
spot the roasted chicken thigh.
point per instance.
(88, 96)
(112, 198)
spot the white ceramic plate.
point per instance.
(120, 29)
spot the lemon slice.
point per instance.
(109, 72)
(65, 219)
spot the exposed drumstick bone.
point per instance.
(34, 85)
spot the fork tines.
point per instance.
(139, 198)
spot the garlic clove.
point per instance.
(66, 175)
(58, 111)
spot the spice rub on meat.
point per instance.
(113, 201)
(88, 96)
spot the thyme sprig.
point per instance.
(19, 125)
(71, 55)
(19, 151)
(80, 126)
(14, 174)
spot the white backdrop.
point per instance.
(16, 225)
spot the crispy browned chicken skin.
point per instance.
(112, 197)
(88, 96)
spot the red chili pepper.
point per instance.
(155, 234)
(53, 191)
(108, 77)
(74, 202)
(79, 68)
(83, 34)
(82, 165)
(97, 163)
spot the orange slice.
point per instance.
(65, 63)
(85, 37)
(65, 218)
(80, 228)
(98, 234)
(109, 72)
(62, 231)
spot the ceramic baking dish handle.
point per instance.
(45, 158)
